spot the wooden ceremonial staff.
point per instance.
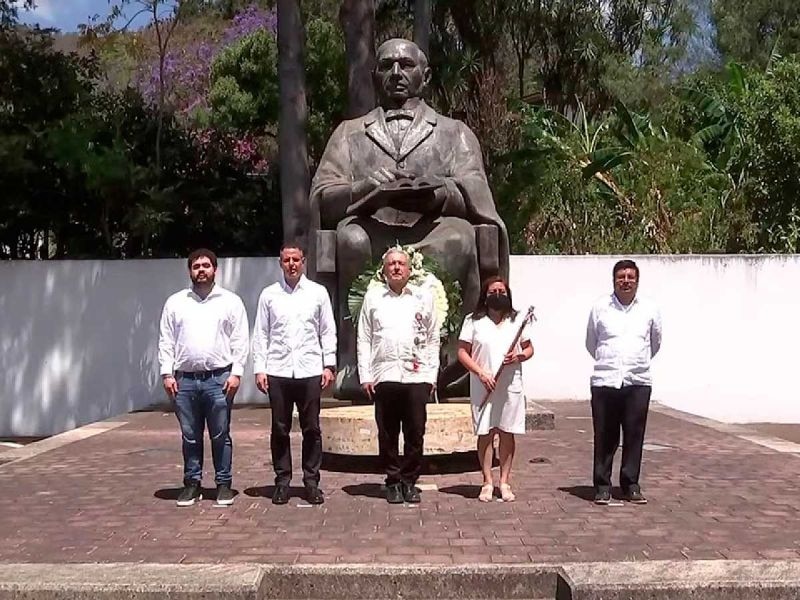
(528, 316)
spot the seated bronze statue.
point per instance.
(404, 174)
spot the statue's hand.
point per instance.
(427, 198)
(439, 198)
(377, 178)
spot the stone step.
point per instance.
(366, 582)
(680, 580)
(124, 581)
(128, 581)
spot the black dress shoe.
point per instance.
(314, 495)
(411, 493)
(394, 493)
(634, 495)
(602, 497)
(281, 494)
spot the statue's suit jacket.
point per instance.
(434, 145)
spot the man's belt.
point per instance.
(204, 374)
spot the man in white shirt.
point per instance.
(398, 361)
(623, 334)
(294, 358)
(202, 348)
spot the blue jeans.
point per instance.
(200, 400)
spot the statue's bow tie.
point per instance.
(399, 113)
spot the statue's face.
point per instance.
(400, 72)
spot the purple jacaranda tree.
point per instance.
(214, 147)
(187, 68)
(163, 16)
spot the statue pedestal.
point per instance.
(351, 430)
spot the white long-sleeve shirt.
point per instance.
(203, 334)
(295, 334)
(622, 339)
(398, 336)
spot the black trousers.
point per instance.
(613, 409)
(305, 393)
(401, 405)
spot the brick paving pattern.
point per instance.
(112, 498)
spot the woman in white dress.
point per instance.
(483, 346)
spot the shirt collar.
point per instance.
(288, 289)
(390, 292)
(615, 301)
(215, 291)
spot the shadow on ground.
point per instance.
(465, 491)
(586, 492)
(439, 464)
(266, 491)
(368, 490)
(173, 493)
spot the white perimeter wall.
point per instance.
(731, 330)
(78, 338)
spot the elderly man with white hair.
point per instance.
(398, 360)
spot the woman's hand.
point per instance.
(487, 379)
(512, 357)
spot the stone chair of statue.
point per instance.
(404, 174)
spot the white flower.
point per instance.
(436, 287)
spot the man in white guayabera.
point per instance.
(623, 334)
(398, 360)
(294, 359)
(202, 349)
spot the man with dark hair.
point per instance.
(398, 358)
(202, 348)
(294, 358)
(623, 334)
(195, 254)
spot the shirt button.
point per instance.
(401, 164)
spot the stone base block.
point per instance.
(538, 418)
(352, 430)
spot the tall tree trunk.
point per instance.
(422, 24)
(292, 140)
(357, 18)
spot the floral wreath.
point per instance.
(425, 273)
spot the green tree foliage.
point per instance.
(751, 31)
(771, 139)
(244, 83)
(79, 177)
(9, 11)
(599, 134)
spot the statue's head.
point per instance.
(402, 71)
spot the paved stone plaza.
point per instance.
(110, 497)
